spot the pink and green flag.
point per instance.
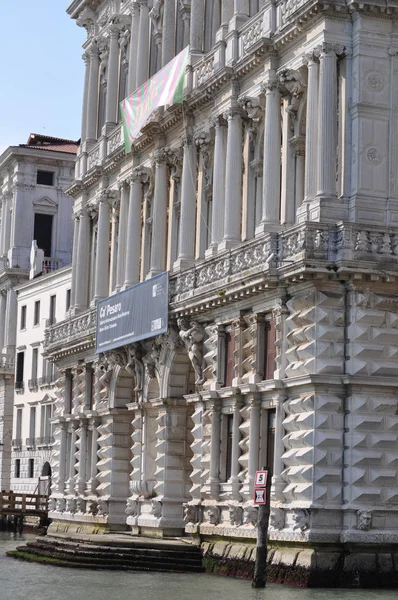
(164, 88)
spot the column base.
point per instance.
(267, 227)
(181, 264)
(108, 127)
(303, 211)
(212, 251)
(227, 245)
(329, 209)
(153, 273)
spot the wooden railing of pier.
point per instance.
(23, 504)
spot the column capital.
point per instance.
(140, 175)
(312, 56)
(161, 156)
(330, 49)
(271, 85)
(217, 121)
(252, 107)
(86, 57)
(232, 112)
(135, 8)
(203, 141)
(297, 144)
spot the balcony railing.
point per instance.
(17, 444)
(71, 329)
(19, 387)
(51, 264)
(44, 441)
(30, 442)
(7, 363)
(32, 385)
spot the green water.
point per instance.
(29, 581)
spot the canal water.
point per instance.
(29, 581)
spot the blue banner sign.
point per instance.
(138, 313)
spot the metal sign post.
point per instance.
(262, 495)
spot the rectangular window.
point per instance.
(45, 178)
(269, 349)
(31, 468)
(36, 315)
(68, 391)
(20, 368)
(18, 431)
(17, 472)
(53, 304)
(68, 296)
(23, 317)
(32, 424)
(228, 457)
(42, 232)
(229, 359)
(35, 360)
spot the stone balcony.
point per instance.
(7, 364)
(305, 251)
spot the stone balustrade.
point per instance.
(72, 329)
(94, 157)
(115, 140)
(7, 363)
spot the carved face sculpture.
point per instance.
(214, 515)
(302, 520)
(190, 514)
(277, 518)
(235, 515)
(251, 516)
(131, 508)
(364, 520)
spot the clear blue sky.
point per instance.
(42, 71)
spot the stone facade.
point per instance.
(270, 197)
(34, 204)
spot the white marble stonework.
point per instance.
(271, 197)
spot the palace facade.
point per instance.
(271, 197)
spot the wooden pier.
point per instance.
(14, 507)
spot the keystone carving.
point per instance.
(294, 83)
(136, 366)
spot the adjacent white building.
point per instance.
(34, 206)
(42, 301)
(271, 197)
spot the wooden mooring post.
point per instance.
(262, 493)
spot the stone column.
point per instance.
(81, 485)
(6, 223)
(278, 483)
(92, 96)
(327, 123)
(218, 204)
(62, 458)
(241, 8)
(133, 242)
(272, 159)
(93, 483)
(114, 212)
(311, 135)
(143, 44)
(11, 321)
(227, 11)
(186, 252)
(122, 237)
(254, 442)
(3, 304)
(197, 26)
(112, 90)
(133, 62)
(288, 213)
(76, 220)
(235, 466)
(86, 58)
(233, 181)
(158, 250)
(82, 266)
(168, 31)
(298, 146)
(102, 257)
(215, 449)
(72, 459)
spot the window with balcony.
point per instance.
(30, 442)
(19, 371)
(45, 438)
(271, 440)
(269, 349)
(229, 359)
(17, 471)
(31, 468)
(42, 232)
(36, 313)
(23, 317)
(17, 441)
(35, 359)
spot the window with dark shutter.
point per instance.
(269, 349)
(271, 440)
(229, 359)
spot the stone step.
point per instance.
(136, 555)
(133, 556)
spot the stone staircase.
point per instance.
(137, 554)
